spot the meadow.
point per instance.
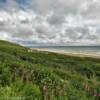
(41, 75)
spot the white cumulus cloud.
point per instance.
(51, 21)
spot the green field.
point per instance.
(42, 75)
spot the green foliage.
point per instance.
(42, 75)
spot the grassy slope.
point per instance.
(46, 76)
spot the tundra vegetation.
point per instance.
(42, 75)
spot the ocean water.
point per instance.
(77, 49)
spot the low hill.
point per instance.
(39, 75)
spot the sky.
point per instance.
(57, 22)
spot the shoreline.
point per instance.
(77, 54)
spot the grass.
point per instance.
(42, 75)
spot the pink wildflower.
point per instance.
(99, 94)
(95, 93)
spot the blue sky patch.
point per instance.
(3, 1)
(24, 2)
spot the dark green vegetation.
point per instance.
(46, 76)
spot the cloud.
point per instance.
(50, 21)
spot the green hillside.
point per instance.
(42, 75)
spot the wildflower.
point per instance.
(99, 94)
(86, 87)
(95, 93)
(45, 88)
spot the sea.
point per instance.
(74, 49)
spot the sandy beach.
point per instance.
(79, 54)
